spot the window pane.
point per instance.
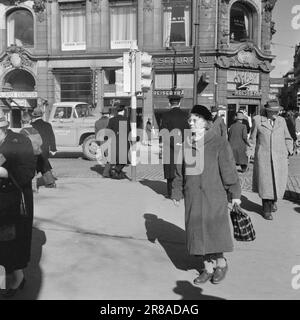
(177, 25)
(123, 22)
(185, 80)
(239, 24)
(20, 28)
(73, 29)
(163, 81)
(76, 87)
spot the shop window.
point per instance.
(176, 24)
(243, 18)
(75, 85)
(123, 24)
(73, 26)
(166, 80)
(20, 30)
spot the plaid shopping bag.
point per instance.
(242, 226)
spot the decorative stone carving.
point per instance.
(148, 5)
(16, 57)
(39, 8)
(268, 8)
(273, 30)
(206, 4)
(245, 58)
(96, 6)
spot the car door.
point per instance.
(63, 127)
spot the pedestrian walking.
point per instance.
(36, 141)
(120, 147)
(273, 144)
(48, 147)
(238, 140)
(218, 124)
(247, 121)
(208, 185)
(17, 168)
(149, 131)
(174, 119)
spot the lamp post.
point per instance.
(196, 54)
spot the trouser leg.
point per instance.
(177, 183)
(169, 187)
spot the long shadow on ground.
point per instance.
(251, 206)
(190, 292)
(172, 239)
(160, 187)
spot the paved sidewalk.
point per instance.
(108, 239)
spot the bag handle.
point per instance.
(23, 206)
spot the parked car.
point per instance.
(74, 125)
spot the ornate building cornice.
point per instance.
(16, 57)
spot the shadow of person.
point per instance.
(33, 273)
(190, 292)
(160, 187)
(173, 240)
(297, 210)
(98, 168)
(251, 206)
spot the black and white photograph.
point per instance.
(149, 151)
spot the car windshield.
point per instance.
(83, 110)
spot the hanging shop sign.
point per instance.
(168, 61)
(19, 95)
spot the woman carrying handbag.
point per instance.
(210, 176)
(17, 168)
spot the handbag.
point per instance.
(23, 211)
(242, 226)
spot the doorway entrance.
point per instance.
(17, 88)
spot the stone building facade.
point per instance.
(71, 50)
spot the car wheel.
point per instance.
(89, 148)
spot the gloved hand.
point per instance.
(236, 201)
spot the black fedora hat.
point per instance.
(202, 111)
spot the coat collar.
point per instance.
(266, 123)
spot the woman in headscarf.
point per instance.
(211, 178)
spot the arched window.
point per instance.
(243, 19)
(20, 28)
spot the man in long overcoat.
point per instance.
(174, 119)
(273, 144)
(218, 124)
(17, 168)
(238, 140)
(120, 147)
(48, 147)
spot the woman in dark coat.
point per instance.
(238, 140)
(17, 168)
(211, 178)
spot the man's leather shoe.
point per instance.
(268, 216)
(202, 278)
(219, 274)
(274, 207)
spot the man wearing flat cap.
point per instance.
(218, 126)
(48, 147)
(177, 120)
(273, 144)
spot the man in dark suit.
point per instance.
(174, 119)
(48, 147)
(218, 126)
(120, 126)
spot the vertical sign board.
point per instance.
(126, 73)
